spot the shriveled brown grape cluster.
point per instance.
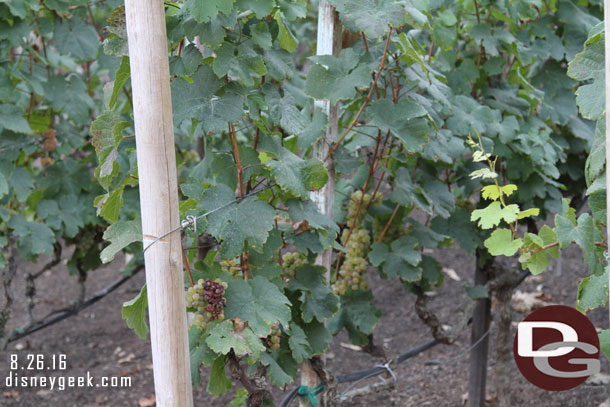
(207, 297)
(353, 269)
(291, 261)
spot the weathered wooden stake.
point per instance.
(481, 319)
(152, 108)
(607, 49)
(328, 43)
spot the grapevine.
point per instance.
(411, 83)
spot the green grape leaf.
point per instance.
(406, 249)
(316, 298)
(203, 11)
(604, 342)
(378, 254)
(537, 262)
(484, 173)
(11, 118)
(597, 156)
(71, 213)
(315, 129)
(318, 336)
(134, 313)
(585, 235)
(373, 17)
(336, 78)
(564, 228)
(234, 223)
(501, 243)
(77, 38)
(493, 191)
(109, 205)
(459, 227)
(107, 130)
(439, 196)
(197, 101)
(42, 238)
(120, 235)
(258, 302)
(403, 261)
(597, 204)
(301, 350)
(261, 35)
(528, 212)
(278, 376)
(293, 173)
(122, 75)
(494, 213)
(548, 237)
(223, 338)
(3, 185)
(241, 395)
(286, 39)
(477, 292)
(199, 353)
(292, 120)
(307, 210)
(592, 292)
(34, 238)
(406, 193)
(262, 8)
(589, 66)
(357, 314)
(218, 383)
(405, 120)
(21, 180)
(510, 213)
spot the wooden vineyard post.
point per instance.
(481, 319)
(607, 66)
(152, 108)
(328, 43)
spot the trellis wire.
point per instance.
(191, 221)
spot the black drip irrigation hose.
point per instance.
(375, 371)
(53, 319)
(372, 372)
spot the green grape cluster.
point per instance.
(394, 232)
(352, 207)
(273, 340)
(352, 272)
(291, 261)
(207, 296)
(232, 266)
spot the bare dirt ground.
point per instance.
(98, 341)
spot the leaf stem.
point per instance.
(387, 225)
(366, 100)
(188, 268)
(240, 179)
